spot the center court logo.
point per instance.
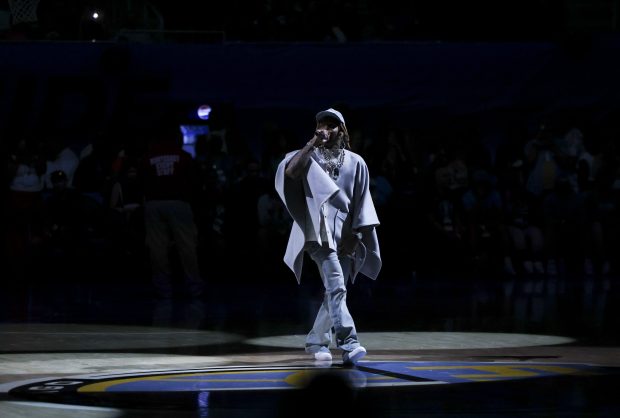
(367, 374)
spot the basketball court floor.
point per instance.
(541, 347)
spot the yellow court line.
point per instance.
(103, 386)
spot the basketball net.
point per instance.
(23, 11)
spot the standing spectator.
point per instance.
(242, 203)
(73, 225)
(540, 157)
(482, 207)
(274, 224)
(524, 234)
(61, 158)
(25, 168)
(167, 172)
(443, 245)
(564, 218)
(126, 210)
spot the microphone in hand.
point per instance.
(322, 137)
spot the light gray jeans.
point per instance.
(333, 311)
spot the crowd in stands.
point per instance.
(531, 202)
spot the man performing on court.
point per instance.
(325, 188)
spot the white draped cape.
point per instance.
(348, 206)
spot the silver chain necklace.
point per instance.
(332, 159)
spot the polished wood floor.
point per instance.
(561, 330)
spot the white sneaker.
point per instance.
(353, 356)
(323, 354)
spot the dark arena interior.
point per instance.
(491, 133)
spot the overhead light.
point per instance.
(204, 111)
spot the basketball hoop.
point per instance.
(23, 11)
